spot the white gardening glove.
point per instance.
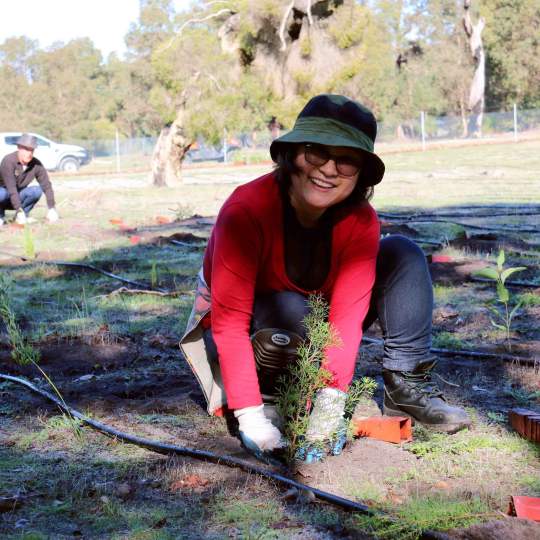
(327, 414)
(20, 218)
(327, 429)
(256, 431)
(52, 215)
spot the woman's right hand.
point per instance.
(256, 431)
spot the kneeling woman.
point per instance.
(307, 227)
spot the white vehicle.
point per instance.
(54, 156)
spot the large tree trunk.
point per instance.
(478, 84)
(169, 152)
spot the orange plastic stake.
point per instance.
(525, 507)
(394, 429)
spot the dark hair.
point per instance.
(285, 167)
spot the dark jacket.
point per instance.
(14, 178)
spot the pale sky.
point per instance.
(105, 22)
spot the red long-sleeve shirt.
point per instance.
(245, 257)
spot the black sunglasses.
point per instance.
(318, 155)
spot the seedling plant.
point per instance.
(29, 244)
(22, 352)
(502, 318)
(298, 389)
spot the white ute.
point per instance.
(54, 156)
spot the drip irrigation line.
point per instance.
(412, 219)
(427, 242)
(172, 450)
(204, 455)
(509, 283)
(185, 244)
(105, 273)
(89, 267)
(389, 215)
(472, 354)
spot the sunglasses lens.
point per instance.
(347, 167)
(316, 155)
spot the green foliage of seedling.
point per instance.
(529, 299)
(22, 352)
(297, 390)
(502, 318)
(306, 377)
(29, 244)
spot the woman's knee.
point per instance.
(401, 251)
(284, 309)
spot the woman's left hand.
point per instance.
(327, 429)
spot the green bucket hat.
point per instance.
(335, 120)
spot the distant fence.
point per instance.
(124, 155)
(426, 128)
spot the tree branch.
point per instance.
(467, 24)
(309, 15)
(283, 24)
(194, 21)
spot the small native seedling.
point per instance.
(307, 376)
(182, 211)
(29, 244)
(502, 317)
(22, 352)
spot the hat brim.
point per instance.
(372, 171)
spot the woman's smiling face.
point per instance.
(315, 188)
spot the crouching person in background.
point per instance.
(17, 171)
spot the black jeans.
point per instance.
(402, 301)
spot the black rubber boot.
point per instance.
(413, 394)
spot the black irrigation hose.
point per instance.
(169, 449)
(185, 244)
(412, 219)
(88, 267)
(473, 354)
(510, 283)
(105, 273)
(389, 215)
